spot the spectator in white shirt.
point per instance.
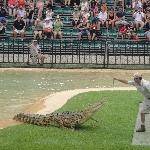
(49, 14)
(48, 28)
(85, 14)
(102, 16)
(84, 5)
(139, 19)
(21, 12)
(137, 4)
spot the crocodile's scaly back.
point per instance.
(61, 119)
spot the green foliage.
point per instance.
(113, 131)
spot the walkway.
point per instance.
(144, 137)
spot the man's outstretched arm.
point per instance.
(120, 80)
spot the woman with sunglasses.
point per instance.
(143, 86)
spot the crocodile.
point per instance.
(66, 119)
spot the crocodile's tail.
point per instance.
(90, 111)
(36, 119)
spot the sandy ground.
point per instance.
(55, 101)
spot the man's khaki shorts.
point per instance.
(146, 107)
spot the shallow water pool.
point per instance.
(19, 89)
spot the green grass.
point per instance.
(114, 130)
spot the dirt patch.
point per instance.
(8, 122)
(33, 108)
(103, 71)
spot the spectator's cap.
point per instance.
(137, 75)
(57, 17)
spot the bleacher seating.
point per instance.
(68, 31)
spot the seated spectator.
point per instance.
(147, 35)
(92, 4)
(131, 28)
(84, 27)
(104, 5)
(12, 4)
(123, 31)
(120, 17)
(75, 3)
(102, 16)
(139, 19)
(57, 27)
(40, 6)
(19, 27)
(76, 18)
(3, 14)
(136, 4)
(147, 19)
(96, 10)
(134, 36)
(128, 3)
(93, 30)
(30, 16)
(38, 28)
(35, 53)
(48, 28)
(85, 14)
(145, 5)
(2, 28)
(49, 14)
(21, 3)
(84, 5)
(21, 12)
(120, 3)
(49, 4)
(111, 18)
(30, 4)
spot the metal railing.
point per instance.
(101, 53)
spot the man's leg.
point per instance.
(145, 108)
(34, 60)
(142, 128)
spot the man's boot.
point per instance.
(141, 129)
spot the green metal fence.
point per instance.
(99, 53)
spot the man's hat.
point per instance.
(57, 17)
(137, 75)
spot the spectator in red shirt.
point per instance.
(21, 3)
(123, 31)
(12, 7)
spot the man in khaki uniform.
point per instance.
(143, 87)
(35, 53)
